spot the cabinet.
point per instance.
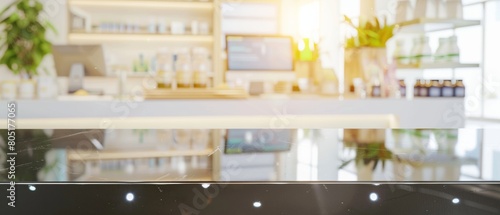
(424, 26)
(133, 30)
(147, 155)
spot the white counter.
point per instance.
(250, 113)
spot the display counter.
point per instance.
(314, 112)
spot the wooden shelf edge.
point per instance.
(432, 25)
(437, 66)
(143, 4)
(79, 155)
(120, 37)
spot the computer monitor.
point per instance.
(78, 61)
(260, 58)
(238, 141)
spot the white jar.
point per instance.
(201, 67)
(204, 28)
(47, 87)
(403, 11)
(152, 26)
(177, 28)
(184, 70)
(453, 51)
(413, 58)
(400, 55)
(425, 52)
(162, 26)
(164, 68)
(9, 90)
(442, 51)
(453, 9)
(27, 89)
(195, 27)
(426, 9)
(200, 139)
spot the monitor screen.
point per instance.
(90, 56)
(256, 53)
(258, 140)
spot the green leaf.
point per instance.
(8, 7)
(377, 23)
(13, 18)
(372, 34)
(345, 163)
(51, 27)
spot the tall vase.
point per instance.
(364, 136)
(365, 171)
(27, 89)
(9, 90)
(371, 65)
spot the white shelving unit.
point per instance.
(139, 4)
(128, 154)
(194, 175)
(436, 66)
(166, 172)
(134, 37)
(426, 25)
(139, 13)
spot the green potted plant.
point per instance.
(365, 51)
(23, 42)
(370, 149)
(31, 148)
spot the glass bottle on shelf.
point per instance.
(425, 55)
(416, 88)
(435, 89)
(447, 90)
(376, 90)
(402, 88)
(200, 139)
(164, 69)
(182, 139)
(184, 70)
(441, 51)
(424, 89)
(400, 54)
(459, 89)
(201, 68)
(453, 51)
(415, 51)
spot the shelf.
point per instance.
(190, 175)
(436, 66)
(122, 37)
(433, 159)
(156, 4)
(79, 155)
(429, 25)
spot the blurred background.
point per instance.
(194, 90)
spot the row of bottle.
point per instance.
(435, 88)
(184, 139)
(183, 69)
(149, 165)
(429, 9)
(421, 52)
(155, 26)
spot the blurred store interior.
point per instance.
(251, 90)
